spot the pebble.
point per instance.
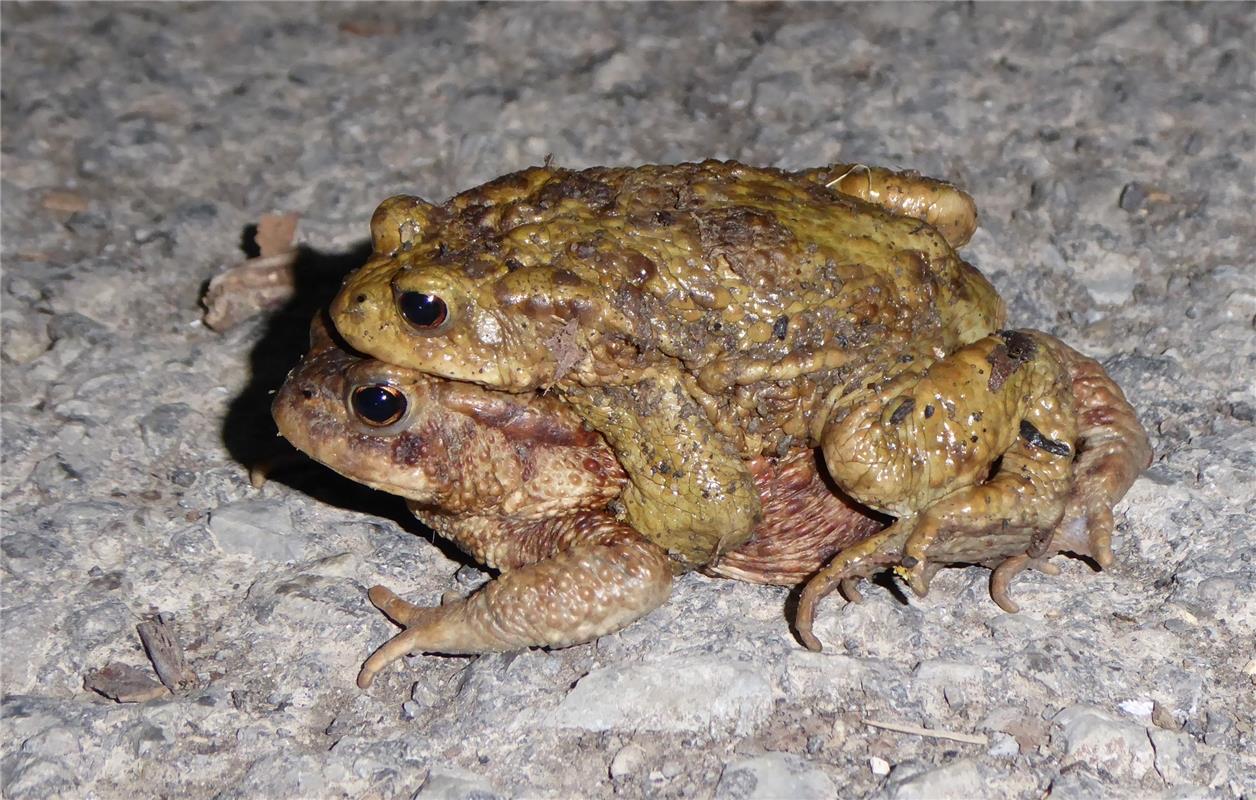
(683, 693)
(1095, 738)
(628, 761)
(1141, 708)
(1003, 746)
(261, 529)
(879, 766)
(772, 776)
(961, 779)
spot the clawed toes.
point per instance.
(849, 587)
(1001, 578)
(405, 642)
(399, 611)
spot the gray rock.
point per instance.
(260, 529)
(960, 780)
(628, 761)
(683, 693)
(1174, 755)
(773, 775)
(446, 783)
(1103, 742)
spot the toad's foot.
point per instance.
(605, 577)
(1111, 449)
(992, 524)
(866, 558)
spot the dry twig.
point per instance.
(970, 738)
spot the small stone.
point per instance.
(1249, 669)
(423, 695)
(33, 776)
(1110, 278)
(621, 69)
(261, 529)
(163, 422)
(25, 336)
(470, 577)
(679, 694)
(628, 761)
(1092, 737)
(1003, 745)
(1133, 196)
(770, 776)
(959, 779)
(879, 766)
(1138, 708)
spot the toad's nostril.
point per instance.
(307, 393)
(360, 298)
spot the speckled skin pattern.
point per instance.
(695, 314)
(519, 484)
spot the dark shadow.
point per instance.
(249, 433)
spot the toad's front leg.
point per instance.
(687, 486)
(593, 576)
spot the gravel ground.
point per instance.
(1110, 148)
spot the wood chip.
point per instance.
(166, 653)
(367, 28)
(259, 284)
(276, 233)
(970, 738)
(64, 201)
(124, 683)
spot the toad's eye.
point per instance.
(378, 405)
(422, 310)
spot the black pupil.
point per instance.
(422, 310)
(379, 405)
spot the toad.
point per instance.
(518, 483)
(701, 315)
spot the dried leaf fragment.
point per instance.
(166, 653)
(64, 201)
(258, 284)
(276, 233)
(124, 683)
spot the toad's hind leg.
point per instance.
(972, 453)
(993, 523)
(600, 576)
(1112, 450)
(943, 205)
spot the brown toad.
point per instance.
(518, 483)
(702, 314)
